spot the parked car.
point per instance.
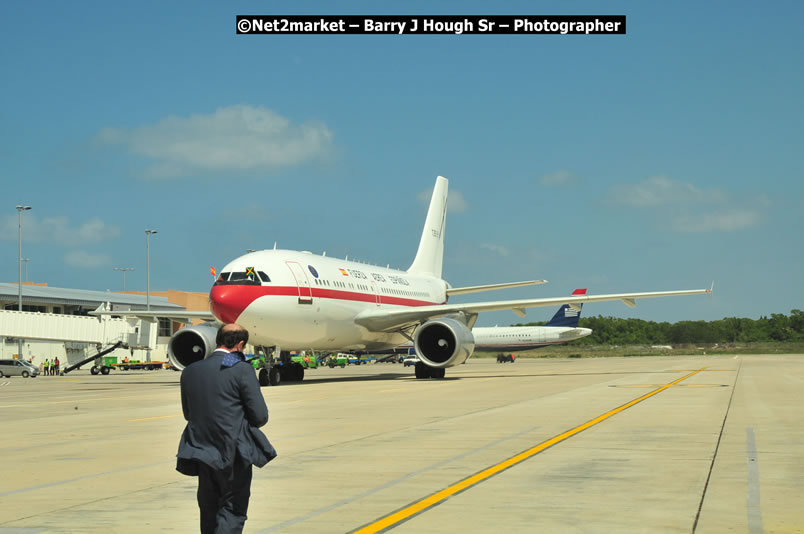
(18, 368)
(410, 360)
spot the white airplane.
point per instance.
(290, 300)
(562, 328)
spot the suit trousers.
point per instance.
(223, 497)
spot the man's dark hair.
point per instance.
(230, 335)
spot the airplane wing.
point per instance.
(387, 321)
(476, 289)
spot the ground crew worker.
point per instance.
(56, 365)
(50, 368)
(43, 367)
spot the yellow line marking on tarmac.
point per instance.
(392, 519)
(12, 406)
(634, 385)
(657, 385)
(153, 418)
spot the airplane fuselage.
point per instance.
(299, 300)
(519, 338)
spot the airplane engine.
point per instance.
(192, 344)
(442, 343)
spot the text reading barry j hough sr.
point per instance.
(432, 25)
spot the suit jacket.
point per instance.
(224, 409)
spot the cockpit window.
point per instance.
(247, 277)
(243, 275)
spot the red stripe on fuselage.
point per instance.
(227, 302)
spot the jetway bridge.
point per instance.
(135, 333)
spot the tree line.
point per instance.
(617, 331)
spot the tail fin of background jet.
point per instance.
(566, 316)
(430, 255)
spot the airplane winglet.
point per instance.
(712, 289)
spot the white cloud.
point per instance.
(716, 222)
(690, 209)
(85, 260)
(232, 139)
(456, 203)
(660, 190)
(502, 251)
(558, 179)
(58, 230)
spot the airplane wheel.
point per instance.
(105, 370)
(263, 378)
(274, 377)
(299, 372)
(94, 370)
(422, 370)
(438, 373)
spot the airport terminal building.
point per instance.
(55, 322)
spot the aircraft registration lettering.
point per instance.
(357, 274)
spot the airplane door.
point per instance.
(376, 293)
(305, 291)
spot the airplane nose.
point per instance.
(228, 302)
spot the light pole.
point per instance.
(20, 209)
(148, 268)
(26, 260)
(124, 270)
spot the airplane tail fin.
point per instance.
(430, 255)
(566, 315)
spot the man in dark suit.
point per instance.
(224, 408)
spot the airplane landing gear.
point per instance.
(274, 377)
(273, 370)
(425, 371)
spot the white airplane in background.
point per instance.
(562, 328)
(290, 300)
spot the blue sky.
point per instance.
(663, 159)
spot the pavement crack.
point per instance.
(717, 447)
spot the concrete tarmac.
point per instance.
(716, 445)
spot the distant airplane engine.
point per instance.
(192, 344)
(443, 342)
